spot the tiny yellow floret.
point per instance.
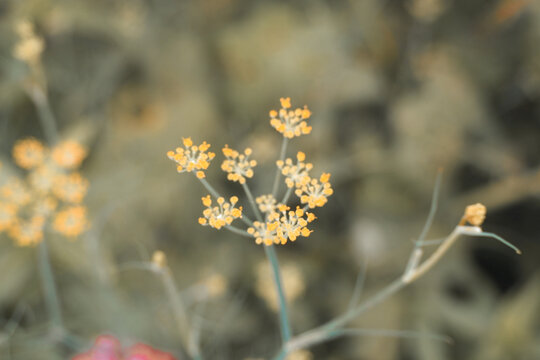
(290, 123)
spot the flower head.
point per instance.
(27, 232)
(68, 154)
(30, 46)
(238, 166)
(25, 205)
(71, 188)
(43, 178)
(159, 259)
(315, 192)
(192, 158)
(8, 215)
(71, 222)
(44, 206)
(221, 215)
(28, 153)
(282, 226)
(15, 192)
(267, 204)
(295, 174)
(475, 214)
(290, 122)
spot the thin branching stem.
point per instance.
(52, 301)
(238, 231)
(46, 116)
(180, 313)
(328, 330)
(285, 326)
(209, 187)
(282, 154)
(252, 202)
(358, 286)
(286, 196)
(417, 251)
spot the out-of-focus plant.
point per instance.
(50, 196)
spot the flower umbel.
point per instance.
(238, 166)
(295, 174)
(221, 215)
(267, 204)
(28, 153)
(192, 158)
(27, 204)
(280, 228)
(71, 188)
(290, 122)
(474, 214)
(68, 154)
(71, 222)
(315, 192)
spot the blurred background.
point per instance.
(398, 89)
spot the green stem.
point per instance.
(238, 231)
(283, 314)
(281, 355)
(252, 202)
(210, 188)
(46, 117)
(282, 153)
(49, 287)
(287, 195)
(180, 314)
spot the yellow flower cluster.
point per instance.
(25, 206)
(238, 166)
(277, 224)
(295, 174)
(221, 215)
(290, 122)
(315, 192)
(474, 214)
(192, 158)
(30, 46)
(280, 228)
(267, 204)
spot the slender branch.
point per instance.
(179, 312)
(358, 286)
(296, 343)
(252, 202)
(49, 287)
(238, 231)
(496, 237)
(282, 154)
(417, 252)
(285, 327)
(286, 196)
(210, 188)
(46, 116)
(323, 332)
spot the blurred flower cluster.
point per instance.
(51, 193)
(107, 347)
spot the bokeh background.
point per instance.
(398, 89)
